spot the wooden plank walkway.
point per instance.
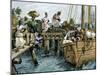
(21, 51)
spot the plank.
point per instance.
(21, 51)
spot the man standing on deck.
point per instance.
(32, 24)
(45, 21)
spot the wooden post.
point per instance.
(47, 43)
(46, 46)
(53, 42)
(59, 47)
(95, 18)
(65, 51)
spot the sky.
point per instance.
(51, 9)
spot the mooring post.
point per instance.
(53, 43)
(46, 46)
(59, 48)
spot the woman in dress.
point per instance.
(56, 19)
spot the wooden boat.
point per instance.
(78, 54)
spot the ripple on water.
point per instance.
(46, 64)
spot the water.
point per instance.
(90, 65)
(51, 63)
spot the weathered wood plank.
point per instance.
(21, 51)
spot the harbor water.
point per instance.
(50, 63)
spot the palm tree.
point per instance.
(15, 14)
(13, 11)
(18, 11)
(14, 18)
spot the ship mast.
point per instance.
(83, 27)
(95, 19)
(89, 17)
(82, 17)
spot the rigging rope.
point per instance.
(70, 12)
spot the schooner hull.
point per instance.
(76, 56)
